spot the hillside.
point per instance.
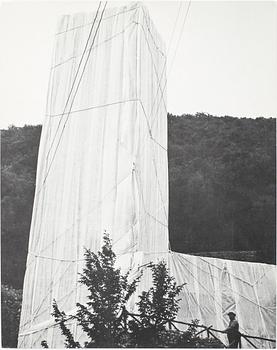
(222, 184)
(221, 181)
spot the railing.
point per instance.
(209, 329)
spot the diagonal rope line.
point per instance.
(151, 35)
(68, 113)
(166, 78)
(104, 19)
(186, 286)
(47, 173)
(94, 107)
(181, 34)
(211, 295)
(236, 277)
(162, 92)
(164, 67)
(52, 284)
(225, 285)
(154, 66)
(75, 78)
(143, 201)
(159, 86)
(154, 160)
(101, 43)
(42, 187)
(88, 214)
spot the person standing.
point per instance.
(232, 331)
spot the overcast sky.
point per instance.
(226, 62)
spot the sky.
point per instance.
(225, 62)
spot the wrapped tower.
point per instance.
(102, 159)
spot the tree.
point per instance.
(156, 307)
(103, 318)
(109, 290)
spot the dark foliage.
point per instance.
(156, 306)
(19, 150)
(101, 317)
(104, 319)
(222, 184)
(221, 181)
(10, 315)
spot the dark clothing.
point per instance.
(233, 341)
(233, 334)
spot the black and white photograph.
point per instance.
(138, 174)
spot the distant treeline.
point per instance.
(221, 181)
(222, 184)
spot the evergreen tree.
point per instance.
(156, 307)
(101, 317)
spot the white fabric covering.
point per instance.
(215, 287)
(103, 166)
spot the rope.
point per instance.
(166, 78)
(89, 23)
(36, 267)
(101, 43)
(49, 290)
(154, 66)
(243, 296)
(154, 160)
(88, 214)
(74, 80)
(94, 107)
(68, 113)
(159, 86)
(150, 33)
(180, 35)
(53, 258)
(164, 67)
(236, 277)
(143, 201)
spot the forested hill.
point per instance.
(221, 180)
(222, 184)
